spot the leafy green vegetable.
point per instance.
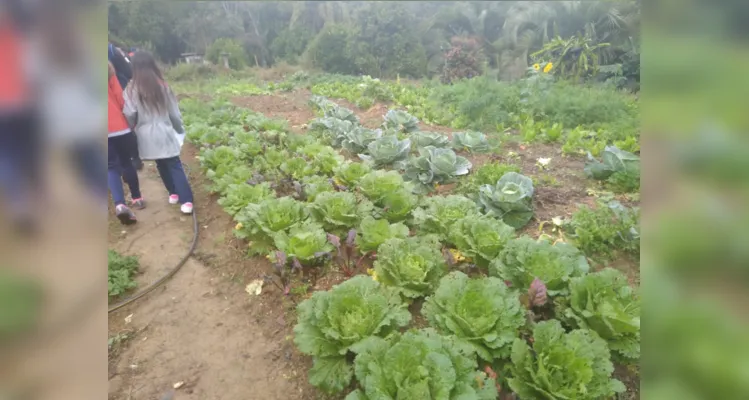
(305, 241)
(423, 139)
(326, 159)
(374, 232)
(357, 139)
(386, 151)
(122, 270)
(218, 161)
(331, 130)
(419, 365)
(479, 237)
(474, 142)
(396, 206)
(614, 160)
(314, 185)
(605, 303)
(412, 265)
(602, 230)
(437, 214)
(482, 311)
(510, 199)
(331, 324)
(259, 223)
(339, 210)
(350, 173)
(434, 166)
(378, 183)
(524, 259)
(561, 365)
(487, 174)
(400, 121)
(238, 196)
(297, 168)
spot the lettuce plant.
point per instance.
(423, 139)
(304, 242)
(400, 121)
(419, 365)
(297, 168)
(413, 265)
(473, 142)
(218, 161)
(331, 324)
(525, 259)
(357, 139)
(238, 175)
(480, 238)
(339, 211)
(437, 214)
(349, 173)
(561, 365)
(510, 199)
(259, 223)
(331, 130)
(374, 232)
(326, 160)
(434, 166)
(482, 312)
(238, 196)
(387, 151)
(605, 303)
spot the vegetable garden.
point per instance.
(444, 283)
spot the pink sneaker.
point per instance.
(186, 208)
(138, 204)
(173, 199)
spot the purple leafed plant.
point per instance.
(346, 253)
(537, 293)
(281, 269)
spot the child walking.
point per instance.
(152, 109)
(121, 141)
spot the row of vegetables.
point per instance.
(530, 311)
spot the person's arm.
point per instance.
(174, 115)
(121, 65)
(130, 109)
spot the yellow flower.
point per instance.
(536, 67)
(373, 273)
(239, 226)
(457, 255)
(337, 181)
(548, 67)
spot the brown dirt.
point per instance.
(201, 327)
(290, 106)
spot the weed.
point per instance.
(122, 269)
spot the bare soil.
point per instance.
(200, 328)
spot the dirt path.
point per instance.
(201, 327)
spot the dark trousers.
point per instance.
(20, 159)
(174, 178)
(120, 166)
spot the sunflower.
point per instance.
(548, 67)
(536, 67)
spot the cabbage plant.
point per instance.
(434, 166)
(510, 199)
(304, 242)
(331, 130)
(297, 168)
(330, 325)
(387, 151)
(357, 139)
(437, 214)
(423, 139)
(374, 232)
(419, 365)
(525, 259)
(396, 206)
(312, 186)
(350, 173)
(238, 196)
(400, 121)
(413, 266)
(474, 142)
(339, 211)
(604, 302)
(378, 183)
(614, 161)
(559, 365)
(483, 312)
(259, 223)
(480, 238)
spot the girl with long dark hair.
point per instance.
(152, 110)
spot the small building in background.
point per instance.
(193, 58)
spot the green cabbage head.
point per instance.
(561, 365)
(331, 324)
(480, 237)
(419, 365)
(438, 213)
(510, 199)
(413, 265)
(481, 311)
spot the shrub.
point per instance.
(464, 59)
(236, 53)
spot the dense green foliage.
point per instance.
(122, 270)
